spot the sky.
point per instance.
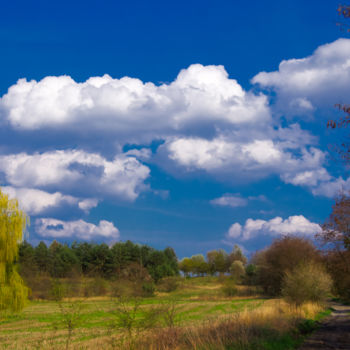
(191, 124)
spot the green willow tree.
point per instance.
(13, 221)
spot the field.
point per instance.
(195, 315)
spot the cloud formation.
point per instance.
(320, 80)
(297, 224)
(33, 201)
(76, 170)
(80, 229)
(129, 107)
(230, 200)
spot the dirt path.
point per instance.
(334, 332)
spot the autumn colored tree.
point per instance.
(281, 257)
(335, 236)
(336, 230)
(13, 221)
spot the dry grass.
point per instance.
(205, 319)
(239, 331)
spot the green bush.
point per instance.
(148, 289)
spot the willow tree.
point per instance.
(13, 221)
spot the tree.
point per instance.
(13, 221)
(185, 265)
(237, 270)
(41, 255)
(336, 236)
(217, 261)
(237, 254)
(336, 230)
(282, 256)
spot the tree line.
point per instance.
(96, 260)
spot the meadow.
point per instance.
(197, 315)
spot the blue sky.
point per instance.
(194, 124)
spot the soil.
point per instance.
(334, 332)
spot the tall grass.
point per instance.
(243, 330)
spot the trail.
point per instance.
(334, 332)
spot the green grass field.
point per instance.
(45, 324)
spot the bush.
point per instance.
(58, 290)
(168, 284)
(96, 287)
(282, 256)
(229, 288)
(306, 283)
(148, 289)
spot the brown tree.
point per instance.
(281, 257)
(335, 236)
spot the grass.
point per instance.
(204, 316)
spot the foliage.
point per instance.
(148, 289)
(280, 257)
(237, 254)
(168, 284)
(306, 283)
(13, 292)
(335, 236)
(336, 230)
(229, 288)
(217, 261)
(122, 260)
(237, 270)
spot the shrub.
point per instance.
(306, 283)
(57, 291)
(148, 289)
(229, 288)
(168, 284)
(282, 256)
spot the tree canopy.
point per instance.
(13, 221)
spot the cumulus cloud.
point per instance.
(47, 227)
(229, 159)
(87, 204)
(127, 106)
(320, 80)
(33, 201)
(297, 224)
(72, 170)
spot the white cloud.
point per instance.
(230, 159)
(75, 169)
(297, 224)
(220, 153)
(47, 227)
(235, 200)
(33, 201)
(230, 201)
(127, 106)
(87, 204)
(332, 188)
(320, 80)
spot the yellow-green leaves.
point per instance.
(13, 221)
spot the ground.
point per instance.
(334, 332)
